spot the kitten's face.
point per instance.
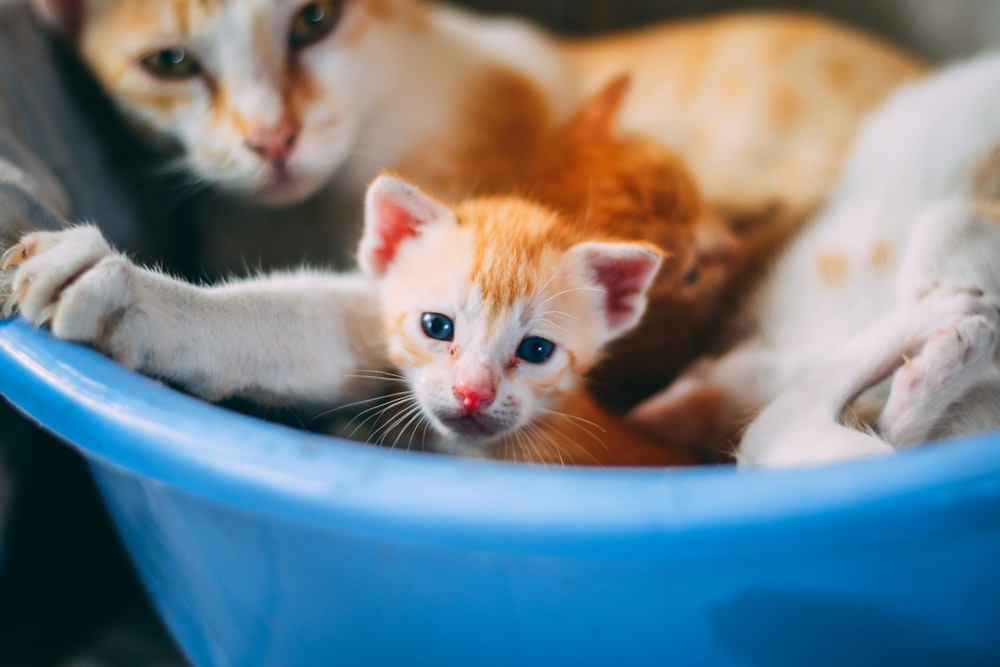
(494, 317)
(486, 354)
(263, 97)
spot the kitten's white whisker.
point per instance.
(361, 402)
(572, 289)
(582, 424)
(374, 413)
(384, 431)
(414, 414)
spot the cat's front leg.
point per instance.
(290, 338)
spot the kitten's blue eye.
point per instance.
(535, 350)
(314, 22)
(171, 64)
(437, 326)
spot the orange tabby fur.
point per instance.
(762, 106)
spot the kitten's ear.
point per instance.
(65, 16)
(623, 272)
(394, 212)
(598, 116)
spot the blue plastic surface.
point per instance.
(264, 545)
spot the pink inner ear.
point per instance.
(625, 279)
(395, 224)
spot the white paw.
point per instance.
(73, 281)
(950, 361)
(941, 306)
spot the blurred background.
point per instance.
(939, 30)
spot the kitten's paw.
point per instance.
(48, 263)
(950, 362)
(9, 261)
(74, 282)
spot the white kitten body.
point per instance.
(898, 277)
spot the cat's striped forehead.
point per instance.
(516, 251)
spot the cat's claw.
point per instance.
(14, 256)
(45, 316)
(10, 306)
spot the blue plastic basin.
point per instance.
(261, 545)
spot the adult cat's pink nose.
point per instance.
(274, 143)
(473, 395)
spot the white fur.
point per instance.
(816, 344)
(284, 339)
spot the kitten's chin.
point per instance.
(470, 428)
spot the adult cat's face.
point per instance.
(264, 97)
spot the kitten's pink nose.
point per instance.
(274, 143)
(473, 395)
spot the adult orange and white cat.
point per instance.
(898, 277)
(277, 99)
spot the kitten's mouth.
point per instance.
(470, 426)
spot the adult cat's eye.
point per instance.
(437, 326)
(313, 22)
(535, 350)
(171, 64)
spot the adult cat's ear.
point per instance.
(395, 211)
(65, 16)
(598, 116)
(623, 272)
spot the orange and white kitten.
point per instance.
(275, 99)
(494, 311)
